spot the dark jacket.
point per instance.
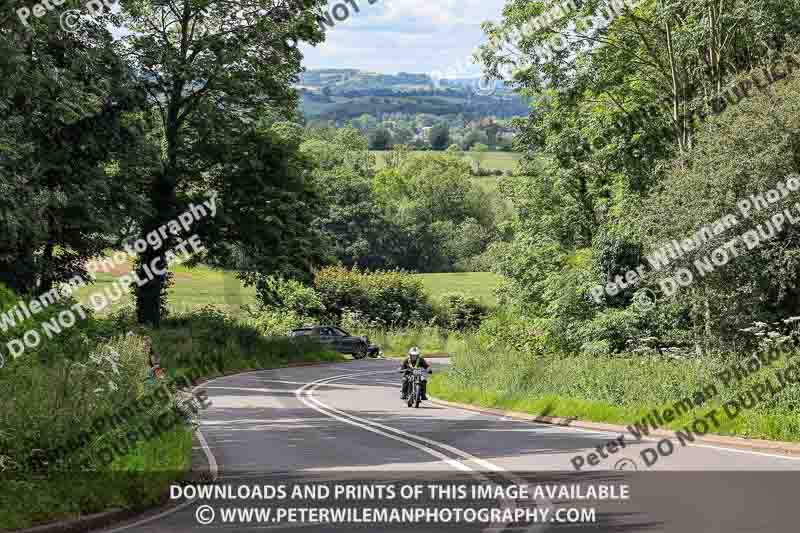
(421, 363)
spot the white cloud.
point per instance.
(405, 35)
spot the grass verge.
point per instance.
(623, 391)
(49, 405)
(136, 481)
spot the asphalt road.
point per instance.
(345, 424)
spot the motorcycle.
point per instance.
(416, 377)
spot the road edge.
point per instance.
(114, 516)
(784, 448)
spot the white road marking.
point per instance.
(251, 389)
(319, 406)
(370, 425)
(611, 435)
(486, 464)
(212, 461)
(212, 466)
(282, 381)
(306, 397)
(750, 452)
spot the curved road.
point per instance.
(345, 422)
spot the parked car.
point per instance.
(340, 340)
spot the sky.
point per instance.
(390, 36)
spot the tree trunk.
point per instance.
(677, 121)
(163, 199)
(47, 267)
(20, 272)
(149, 296)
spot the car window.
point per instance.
(301, 332)
(326, 331)
(340, 332)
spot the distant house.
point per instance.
(506, 135)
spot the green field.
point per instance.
(489, 160)
(201, 286)
(193, 289)
(481, 285)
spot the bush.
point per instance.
(276, 322)
(394, 299)
(7, 297)
(510, 329)
(289, 295)
(52, 407)
(211, 339)
(43, 404)
(460, 312)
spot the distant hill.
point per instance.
(342, 94)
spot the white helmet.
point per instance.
(414, 352)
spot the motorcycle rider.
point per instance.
(414, 360)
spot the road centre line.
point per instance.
(306, 397)
(308, 391)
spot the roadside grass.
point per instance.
(212, 339)
(136, 481)
(396, 343)
(621, 390)
(48, 402)
(48, 405)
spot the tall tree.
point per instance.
(617, 102)
(70, 117)
(380, 139)
(440, 136)
(433, 201)
(209, 66)
(353, 223)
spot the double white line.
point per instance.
(306, 395)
